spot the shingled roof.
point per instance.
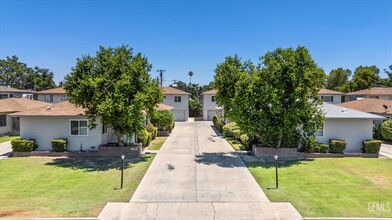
(173, 91)
(58, 90)
(10, 89)
(373, 91)
(59, 109)
(19, 104)
(162, 106)
(329, 92)
(369, 105)
(338, 112)
(210, 92)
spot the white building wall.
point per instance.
(56, 98)
(6, 129)
(354, 131)
(208, 104)
(183, 105)
(337, 99)
(46, 128)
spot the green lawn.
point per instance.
(157, 143)
(329, 187)
(7, 138)
(59, 187)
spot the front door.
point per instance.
(15, 126)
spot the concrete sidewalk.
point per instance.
(197, 175)
(5, 150)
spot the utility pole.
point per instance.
(161, 75)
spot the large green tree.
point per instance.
(277, 97)
(18, 75)
(337, 78)
(114, 85)
(365, 76)
(227, 74)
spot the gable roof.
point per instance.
(19, 104)
(329, 92)
(59, 109)
(369, 105)
(57, 90)
(210, 92)
(10, 89)
(173, 91)
(373, 91)
(338, 112)
(162, 106)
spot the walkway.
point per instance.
(386, 150)
(196, 175)
(5, 149)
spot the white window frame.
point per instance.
(177, 97)
(322, 129)
(4, 96)
(331, 98)
(78, 120)
(5, 121)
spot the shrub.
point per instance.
(23, 145)
(371, 146)
(172, 126)
(164, 119)
(59, 144)
(309, 144)
(144, 137)
(229, 129)
(322, 148)
(218, 123)
(386, 130)
(337, 146)
(237, 134)
(154, 130)
(377, 133)
(245, 139)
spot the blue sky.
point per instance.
(180, 36)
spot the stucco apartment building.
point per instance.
(177, 99)
(9, 92)
(55, 95)
(384, 93)
(209, 105)
(331, 96)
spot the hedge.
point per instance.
(371, 146)
(322, 148)
(164, 120)
(23, 145)
(59, 144)
(144, 137)
(386, 130)
(218, 123)
(229, 130)
(337, 146)
(154, 130)
(310, 144)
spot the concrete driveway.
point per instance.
(197, 175)
(5, 149)
(386, 150)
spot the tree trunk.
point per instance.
(280, 137)
(120, 139)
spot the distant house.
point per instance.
(9, 92)
(384, 93)
(55, 95)
(10, 125)
(62, 120)
(375, 106)
(209, 105)
(330, 96)
(347, 124)
(179, 100)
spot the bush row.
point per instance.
(23, 145)
(144, 137)
(231, 130)
(338, 146)
(218, 123)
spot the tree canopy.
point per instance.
(274, 98)
(114, 85)
(337, 78)
(18, 75)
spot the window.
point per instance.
(104, 128)
(64, 98)
(78, 127)
(11, 95)
(164, 97)
(48, 98)
(3, 96)
(327, 98)
(3, 120)
(320, 132)
(212, 98)
(177, 98)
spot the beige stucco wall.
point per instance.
(354, 131)
(183, 105)
(208, 105)
(336, 99)
(45, 129)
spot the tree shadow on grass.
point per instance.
(226, 160)
(272, 164)
(92, 164)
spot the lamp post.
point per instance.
(122, 170)
(276, 171)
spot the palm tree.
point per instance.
(190, 77)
